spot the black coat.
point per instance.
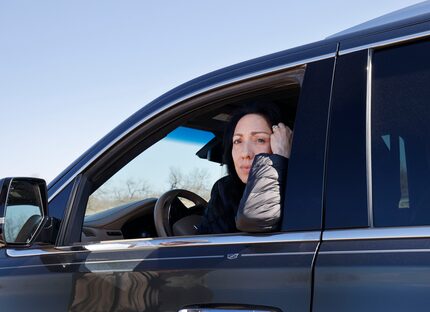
(254, 207)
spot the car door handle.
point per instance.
(230, 309)
(223, 310)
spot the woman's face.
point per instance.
(251, 137)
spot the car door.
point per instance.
(267, 272)
(375, 250)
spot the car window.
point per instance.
(120, 193)
(401, 135)
(171, 163)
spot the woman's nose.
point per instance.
(247, 151)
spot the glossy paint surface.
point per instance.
(164, 278)
(373, 275)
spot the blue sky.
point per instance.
(72, 70)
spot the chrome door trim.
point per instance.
(369, 138)
(275, 254)
(384, 43)
(170, 242)
(186, 97)
(97, 262)
(377, 233)
(373, 251)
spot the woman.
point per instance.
(256, 149)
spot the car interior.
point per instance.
(178, 211)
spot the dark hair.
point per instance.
(267, 110)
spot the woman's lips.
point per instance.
(245, 168)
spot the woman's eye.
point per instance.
(260, 140)
(237, 141)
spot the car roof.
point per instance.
(416, 13)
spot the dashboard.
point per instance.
(131, 220)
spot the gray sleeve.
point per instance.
(260, 207)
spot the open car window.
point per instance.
(180, 150)
(171, 163)
(123, 206)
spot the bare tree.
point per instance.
(197, 181)
(175, 178)
(109, 196)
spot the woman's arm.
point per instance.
(260, 206)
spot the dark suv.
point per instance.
(355, 234)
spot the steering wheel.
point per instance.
(163, 212)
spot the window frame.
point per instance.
(154, 127)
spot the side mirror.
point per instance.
(23, 207)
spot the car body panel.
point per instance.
(169, 274)
(390, 274)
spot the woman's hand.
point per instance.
(281, 139)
